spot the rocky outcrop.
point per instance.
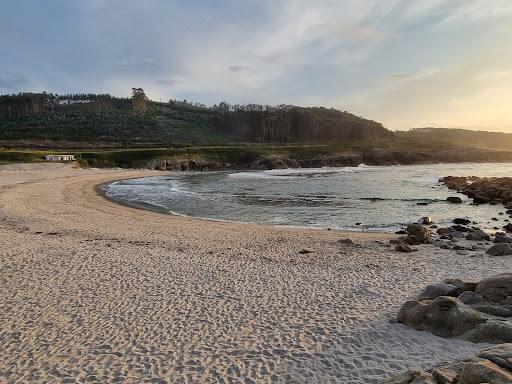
(306, 159)
(492, 365)
(186, 165)
(478, 312)
(482, 190)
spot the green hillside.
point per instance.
(89, 120)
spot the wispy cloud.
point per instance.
(398, 61)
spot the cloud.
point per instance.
(12, 80)
(169, 82)
(398, 61)
(237, 68)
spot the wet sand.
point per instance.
(94, 291)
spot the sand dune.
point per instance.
(92, 291)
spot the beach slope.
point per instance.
(99, 292)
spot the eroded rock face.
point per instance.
(492, 365)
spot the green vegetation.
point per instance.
(46, 120)
(105, 131)
(462, 137)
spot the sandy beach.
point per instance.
(93, 291)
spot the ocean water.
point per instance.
(377, 198)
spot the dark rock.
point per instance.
(454, 199)
(404, 248)
(496, 289)
(478, 235)
(345, 241)
(470, 297)
(435, 290)
(481, 199)
(419, 232)
(502, 239)
(461, 221)
(500, 249)
(508, 227)
(409, 240)
(484, 371)
(461, 284)
(401, 232)
(460, 228)
(305, 251)
(443, 231)
(404, 378)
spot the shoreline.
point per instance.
(96, 290)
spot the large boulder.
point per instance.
(484, 371)
(496, 289)
(502, 239)
(419, 232)
(443, 316)
(500, 249)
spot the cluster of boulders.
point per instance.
(475, 311)
(483, 190)
(492, 365)
(449, 237)
(480, 312)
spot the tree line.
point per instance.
(240, 122)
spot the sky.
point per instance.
(405, 63)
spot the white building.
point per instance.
(59, 157)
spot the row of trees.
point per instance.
(240, 122)
(35, 103)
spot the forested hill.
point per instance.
(44, 119)
(459, 137)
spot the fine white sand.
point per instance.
(94, 291)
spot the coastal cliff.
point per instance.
(349, 159)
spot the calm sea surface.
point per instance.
(380, 198)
